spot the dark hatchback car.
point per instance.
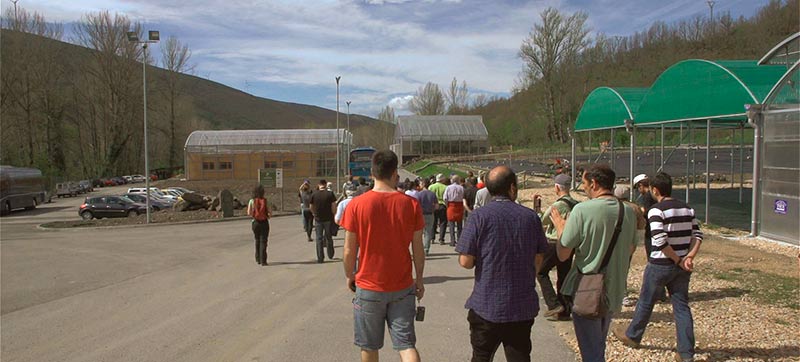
(110, 206)
(156, 204)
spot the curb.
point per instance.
(188, 222)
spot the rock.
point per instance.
(226, 202)
(193, 198)
(181, 205)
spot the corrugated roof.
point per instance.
(267, 137)
(698, 89)
(435, 128)
(607, 108)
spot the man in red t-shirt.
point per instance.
(380, 225)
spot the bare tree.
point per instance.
(175, 59)
(480, 101)
(115, 87)
(457, 98)
(428, 100)
(556, 40)
(387, 115)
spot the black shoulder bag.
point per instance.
(590, 299)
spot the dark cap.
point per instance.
(562, 180)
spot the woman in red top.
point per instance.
(258, 208)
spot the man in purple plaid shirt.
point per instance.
(505, 244)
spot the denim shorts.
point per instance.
(371, 310)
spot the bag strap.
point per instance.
(617, 230)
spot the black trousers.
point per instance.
(308, 222)
(553, 298)
(441, 219)
(486, 337)
(261, 234)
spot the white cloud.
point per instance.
(400, 104)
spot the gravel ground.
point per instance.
(744, 299)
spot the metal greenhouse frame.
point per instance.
(437, 135)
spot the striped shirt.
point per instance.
(672, 223)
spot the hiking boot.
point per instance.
(619, 332)
(629, 301)
(679, 358)
(553, 312)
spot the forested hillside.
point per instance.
(76, 111)
(556, 81)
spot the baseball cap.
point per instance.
(622, 192)
(562, 180)
(639, 178)
(439, 177)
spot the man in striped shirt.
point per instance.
(676, 239)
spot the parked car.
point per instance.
(128, 179)
(110, 206)
(140, 190)
(66, 189)
(109, 182)
(85, 186)
(172, 192)
(156, 203)
(183, 190)
(98, 182)
(119, 180)
(138, 178)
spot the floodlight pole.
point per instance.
(711, 11)
(338, 156)
(152, 38)
(348, 128)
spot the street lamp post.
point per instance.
(348, 128)
(152, 37)
(338, 156)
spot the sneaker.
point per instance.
(619, 332)
(679, 358)
(629, 301)
(554, 312)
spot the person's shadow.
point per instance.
(442, 279)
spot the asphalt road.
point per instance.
(194, 293)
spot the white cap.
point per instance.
(639, 178)
(439, 177)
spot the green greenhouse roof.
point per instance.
(695, 89)
(607, 108)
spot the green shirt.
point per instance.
(589, 229)
(549, 230)
(438, 189)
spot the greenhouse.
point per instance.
(240, 154)
(417, 136)
(689, 95)
(776, 195)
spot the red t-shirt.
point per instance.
(480, 185)
(384, 224)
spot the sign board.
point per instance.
(781, 207)
(279, 178)
(266, 177)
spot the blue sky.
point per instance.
(383, 49)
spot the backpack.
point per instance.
(570, 203)
(260, 209)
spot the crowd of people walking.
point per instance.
(391, 224)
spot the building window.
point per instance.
(270, 164)
(224, 165)
(288, 164)
(208, 165)
(326, 167)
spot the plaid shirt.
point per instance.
(504, 238)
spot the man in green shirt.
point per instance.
(558, 308)
(588, 232)
(440, 215)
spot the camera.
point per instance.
(420, 314)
